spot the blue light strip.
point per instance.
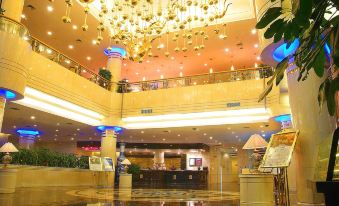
(116, 129)
(283, 118)
(115, 50)
(25, 132)
(7, 93)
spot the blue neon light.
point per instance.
(283, 118)
(116, 129)
(26, 132)
(282, 51)
(7, 94)
(113, 50)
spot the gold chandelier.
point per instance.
(136, 24)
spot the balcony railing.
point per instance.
(56, 56)
(16, 28)
(218, 77)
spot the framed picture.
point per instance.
(198, 162)
(192, 162)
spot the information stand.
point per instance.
(101, 165)
(278, 156)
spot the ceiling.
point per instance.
(58, 129)
(241, 44)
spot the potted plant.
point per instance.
(106, 75)
(134, 170)
(316, 26)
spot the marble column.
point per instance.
(114, 63)
(108, 144)
(26, 142)
(314, 125)
(159, 158)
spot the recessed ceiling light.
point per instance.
(227, 49)
(58, 123)
(158, 70)
(35, 125)
(205, 134)
(94, 41)
(258, 58)
(55, 135)
(147, 61)
(164, 139)
(261, 126)
(49, 8)
(70, 46)
(14, 126)
(75, 27)
(255, 65)
(144, 79)
(205, 65)
(181, 67)
(253, 31)
(211, 70)
(233, 132)
(172, 58)
(49, 33)
(232, 68)
(72, 138)
(125, 64)
(161, 76)
(256, 45)
(32, 117)
(180, 74)
(57, 130)
(142, 132)
(88, 58)
(23, 16)
(78, 129)
(179, 135)
(199, 54)
(55, 139)
(236, 136)
(228, 128)
(211, 137)
(137, 73)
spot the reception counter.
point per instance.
(171, 179)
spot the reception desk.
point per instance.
(171, 179)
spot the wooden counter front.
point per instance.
(171, 179)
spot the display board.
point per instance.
(108, 164)
(280, 149)
(95, 163)
(195, 162)
(101, 163)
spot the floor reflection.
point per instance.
(109, 197)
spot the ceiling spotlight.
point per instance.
(211, 70)
(78, 129)
(228, 128)
(88, 58)
(253, 31)
(211, 137)
(161, 76)
(32, 117)
(147, 61)
(137, 73)
(70, 46)
(179, 135)
(23, 16)
(256, 45)
(72, 138)
(205, 134)
(258, 58)
(261, 126)
(232, 68)
(49, 33)
(205, 65)
(227, 49)
(180, 74)
(198, 54)
(57, 130)
(125, 64)
(164, 139)
(142, 132)
(94, 41)
(172, 58)
(181, 67)
(75, 27)
(58, 124)
(35, 125)
(49, 8)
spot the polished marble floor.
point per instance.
(108, 197)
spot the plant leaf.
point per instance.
(274, 28)
(280, 70)
(321, 94)
(330, 96)
(319, 63)
(270, 15)
(267, 90)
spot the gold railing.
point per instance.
(11, 26)
(212, 78)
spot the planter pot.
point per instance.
(7, 180)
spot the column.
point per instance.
(26, 142)
(108, 144)
(114, 63)
(159, 159)
(13, 8)
(2, 110)
(314, 126)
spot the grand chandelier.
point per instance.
(136, 24)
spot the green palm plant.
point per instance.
(315, 24)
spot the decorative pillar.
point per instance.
(314, 125)
(13, 8)
(2, 110)
(114, 63)
(159, 159)
(26, 142)
(108, 144)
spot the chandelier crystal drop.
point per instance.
(136, 24)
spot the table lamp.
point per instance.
(7, 148)
(253, 143)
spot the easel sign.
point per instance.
(280, 149)
(95, 163)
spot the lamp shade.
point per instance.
(126, 162)
(255, 142)
(8, 147)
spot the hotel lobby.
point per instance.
(169, 103)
